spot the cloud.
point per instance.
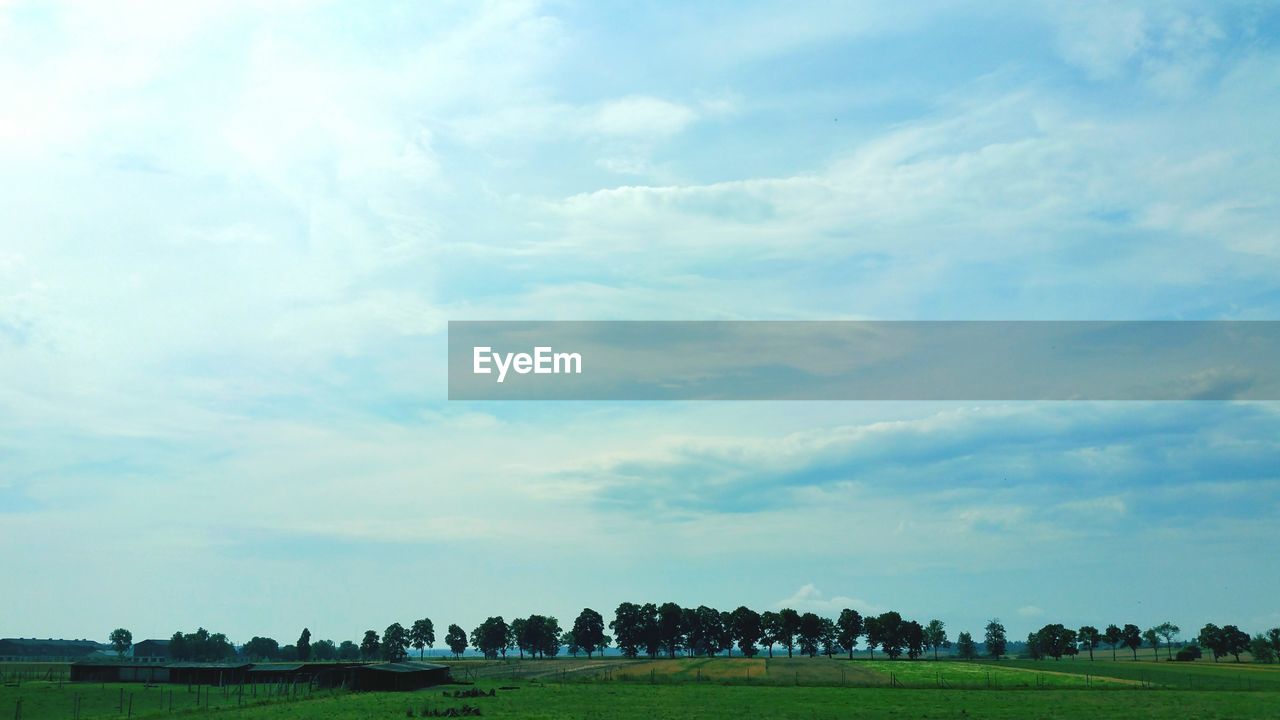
(1030, 611)
(809, 597)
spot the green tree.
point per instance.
(935, 636)
(1112, 637)
(830, 637)
(966, 649)
(1211, 637)
(1055, 640)
(371, 645)
(1235, 640)
(746, 627)
(1260, 648)
(849, 629)
(872, 627)
(422, 635)
(913, 636)
(588, 631)
(628, 627)
(1035, 646)
(788, 627)
(1131, 637)
(324, 650)
(1152, 637)
(261, 648)
(121, 640)
(892, 634)
(671, 628)
(520, 632)
(770, 629)
(1273, 636)
(996, 640)
(1168, 631)
(349, 650)
(492, 637)
(810, 633)
(456, 639)
(304, 645)
(395, 643)
(1089, 638)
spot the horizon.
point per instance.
(236, 236)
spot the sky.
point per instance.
(233, 235)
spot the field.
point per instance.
(719, 688)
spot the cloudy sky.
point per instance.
(232, 237)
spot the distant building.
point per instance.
(35, 649)
(151, 651)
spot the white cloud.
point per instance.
(1030, 611)
(809, 597)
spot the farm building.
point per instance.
(397, 676)
(192, 673)
(35, 649)
(106, 671)
(320, 674)
(151, 651)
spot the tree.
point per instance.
(492, 637)
(746, 629)
(121, 640)
(456, 639)
(371, 645)
(1112, 637)
(671, 628)
(1168, 631)
(1131, 637)
(324, 650)
(304, 645)
(913, 635)
(649, 629)
(289, 653)
(1260, 648)
(1089, 638)
(892, 633)
(725, 633)
(520, 631)
(261, 648)
(628, 628)
(1035, 646)
(588, 631)
(872, 627)
(788, 626)
(1273, 636)
(966, 649)
(395, 643)
(348, 651)
(1235, 640)
(849, 629)
(422, 635)
(1152, 637)
(997, 643)
(1212, 638)
(1055, 640)
(770, 629)
(571, 643)
(830, 638)
(810, 633)
(547, 639)
(935, 635)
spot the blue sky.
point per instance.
(233, 236)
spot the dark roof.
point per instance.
(114, 664)
(152, 642)
(51, 642)
(210, 666)
(402, 667)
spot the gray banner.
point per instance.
(838, 360)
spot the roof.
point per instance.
(295, 666)
(52, 642)
(208, 666)
(402, 667)
(164, 643)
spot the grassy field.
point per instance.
(718, 688)
(623, 701)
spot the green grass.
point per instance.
(626, 701)
(114, 700)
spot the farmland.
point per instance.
(718, 687)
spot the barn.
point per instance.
(318, 674)
(192, 673)
(151, 651)
(99, 671)
(397, 676)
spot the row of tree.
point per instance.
(669, 629)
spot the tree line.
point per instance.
(652, 630)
